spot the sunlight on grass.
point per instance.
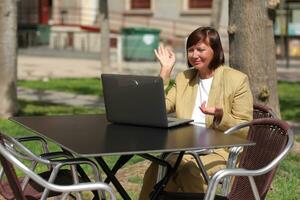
(91, 86)
(289, 93)
(32, 108)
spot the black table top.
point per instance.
(92, 135)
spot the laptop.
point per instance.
(137, 100)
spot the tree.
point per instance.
(252, 47)
(105, 41)
(216, 13)
(8, 62)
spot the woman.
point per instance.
(211, 94)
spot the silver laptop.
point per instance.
(138, 100)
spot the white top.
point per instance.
(202, 95)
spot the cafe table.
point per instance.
(93, 136)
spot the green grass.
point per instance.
(289, 98)
(289, 93)
(91, 86)
(31, 108)
(297, 138)
(286, 184)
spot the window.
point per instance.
(196, 7)
(139, 7)
(140, 4)
(198, 4)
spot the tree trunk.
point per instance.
(8, 62)
(105, 41)
(252, 48)
(216, 14)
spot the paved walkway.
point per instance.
(60, 97)
(43, 63)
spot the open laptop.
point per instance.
(138, 100)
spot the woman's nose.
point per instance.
(195, 54)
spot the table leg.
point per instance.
(120, 162)
(159, 187)
(112, 178)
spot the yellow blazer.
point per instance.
(230, 90)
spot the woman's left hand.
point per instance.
(217, 112)
(209, 111)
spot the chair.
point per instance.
(262, 111)
(259, 111)
(53, 182)
(258, 163)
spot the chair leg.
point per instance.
(65, 195)
(76, 181)
(201, 166)
(231, 163)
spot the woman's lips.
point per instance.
(197, 62)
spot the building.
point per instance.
(287, 29)
(75, 24)
(33, 22)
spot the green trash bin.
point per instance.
(43, 34)
(139, 43)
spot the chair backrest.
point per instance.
(271, 136)
(15, 186)
(12, 153)
(262, 111)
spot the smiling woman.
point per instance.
(209, 93)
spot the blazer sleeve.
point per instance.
(241, 109)
(170, 98)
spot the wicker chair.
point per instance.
(262, 111)
(259, 111)
(53, 182)
(258, 163)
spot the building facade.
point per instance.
(75, 24)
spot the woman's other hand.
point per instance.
(166, 58)
(217, 112)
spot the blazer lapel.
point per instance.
(193, 87)
(215, 94)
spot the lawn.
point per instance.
(91, 86)
(289, 93)
(286, 184)
(289, 99)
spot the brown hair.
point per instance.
(211, 37)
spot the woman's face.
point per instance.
(200, 55)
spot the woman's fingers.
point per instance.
(207, 110)
(156, 53)
(161, 49)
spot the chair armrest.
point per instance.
(78, 161)
(35, 138)
(72, 162)
(56, 155)
(82, 187)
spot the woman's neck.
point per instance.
(205, 74)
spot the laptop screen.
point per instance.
(132, 99)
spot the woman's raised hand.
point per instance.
(166, 58)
